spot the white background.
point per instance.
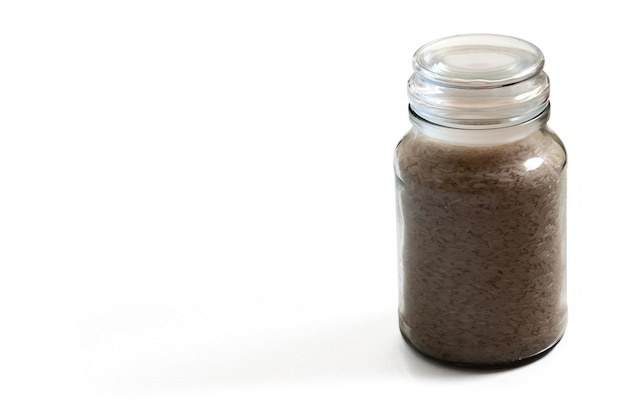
(197, 210)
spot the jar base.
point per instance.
(481, 366)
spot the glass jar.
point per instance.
(480, 192)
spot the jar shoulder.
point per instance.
(421, 159)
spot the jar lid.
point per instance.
(478, 81)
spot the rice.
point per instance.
(481, 232)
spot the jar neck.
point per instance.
(479, 136)
(479, 107)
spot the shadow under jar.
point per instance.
(481, 192)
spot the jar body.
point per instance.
(481, 246)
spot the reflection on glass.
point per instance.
(533, 163)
